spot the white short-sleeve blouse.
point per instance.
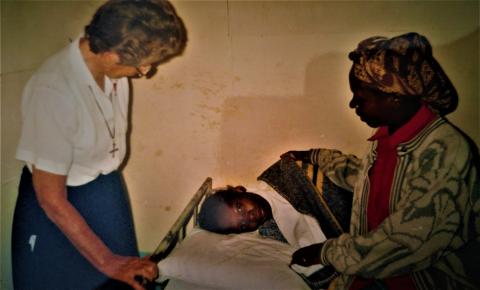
(65, 116)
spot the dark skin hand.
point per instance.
(307, 256)
(297, 155)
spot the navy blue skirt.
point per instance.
(43, 258)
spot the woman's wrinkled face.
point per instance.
(242, 215)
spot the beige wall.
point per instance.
(257, 79)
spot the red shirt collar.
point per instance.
(403, 134)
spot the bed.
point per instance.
(191, 258)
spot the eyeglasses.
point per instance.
(143, 70)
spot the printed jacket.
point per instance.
(433, 227)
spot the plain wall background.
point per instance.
(257, 79)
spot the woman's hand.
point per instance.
(307, 256)
(297, 155)
(51, 193)
(125, 269)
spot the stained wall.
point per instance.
(258, 78)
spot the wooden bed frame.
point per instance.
(178, 231)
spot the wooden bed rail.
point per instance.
(178, 229)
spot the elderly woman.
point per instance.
(415, 216)
(73, 227)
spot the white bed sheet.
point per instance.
(206, 260)
(175, 284)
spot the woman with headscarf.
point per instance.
(415, 216)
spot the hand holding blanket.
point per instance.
(330, 208)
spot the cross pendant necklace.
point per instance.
(114, 149)
(111, 131)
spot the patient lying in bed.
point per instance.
(235, 210)
(220, 258)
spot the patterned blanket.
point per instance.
(310, 193)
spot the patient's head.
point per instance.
(233, 210)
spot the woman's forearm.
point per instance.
(52, 196)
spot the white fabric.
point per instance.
(307, 271)
(298, 229)
(63, 131)
(175, 284)
(244, 261)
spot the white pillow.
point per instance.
(242, 261)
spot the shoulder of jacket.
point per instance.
(439, 131)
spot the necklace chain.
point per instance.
(111, 131)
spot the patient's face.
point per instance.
(244, 215)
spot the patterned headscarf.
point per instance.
(404, 65)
